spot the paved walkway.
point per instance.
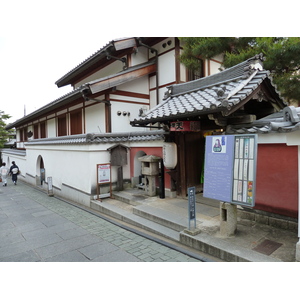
(37, 228)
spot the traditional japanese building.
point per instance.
(69, 137)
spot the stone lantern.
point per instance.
(150, 169)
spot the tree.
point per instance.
(4, 134)
(282, 57)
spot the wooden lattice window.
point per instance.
(62, 125)
(76, 122)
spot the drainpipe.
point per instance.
(139, 40)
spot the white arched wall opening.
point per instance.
(40, 171)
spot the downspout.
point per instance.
(156, 60)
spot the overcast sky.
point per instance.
(40, 41)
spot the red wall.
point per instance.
(157, 151)
(277, 179)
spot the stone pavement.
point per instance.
(259, 237)
(37, 228)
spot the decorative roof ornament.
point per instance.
(290, 114)
(254, 63)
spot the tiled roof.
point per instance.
(113, 46)
(218, 92)
(108, 81)
(92, 138)
(90, 60)
(67, 98)
(286, 120)
(17, 152)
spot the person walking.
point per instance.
(14, 171)
(3, 173)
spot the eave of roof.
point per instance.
(72, 96)
(10, 151)
(90, 61)
(115, 46)
(95, 86)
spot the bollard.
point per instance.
(50, 187)
(228, 219)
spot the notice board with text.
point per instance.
(230, 168)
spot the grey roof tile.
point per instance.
(286, 120)
(93, 138)
(210, 94)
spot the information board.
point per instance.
(218, 167)
(244, 173)
(103, 173)
(103, 178)
(230, 168)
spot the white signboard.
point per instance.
(103, 178)
(103, 173)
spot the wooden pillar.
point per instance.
(120, 179)
(182, 171)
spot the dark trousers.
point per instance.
(14, 177)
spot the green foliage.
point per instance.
(282, 56)
(3, 132)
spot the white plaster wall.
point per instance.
(140, 85)
(20, 162)
(166, 62)
(293, 138)
(153, 99)
(140, 57)
(214, 67)
(51, 128)
(72, 167)
(122, 123)
(115, 67)
(272, 138)
(162, 46)
(95, 118)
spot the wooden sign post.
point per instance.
(103, 178)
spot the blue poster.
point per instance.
(219, 155)
(230, 168)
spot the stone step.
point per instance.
(162, 217)
(126, 215)
(223, 249)
(131, 198)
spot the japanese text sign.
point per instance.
(230, 168)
